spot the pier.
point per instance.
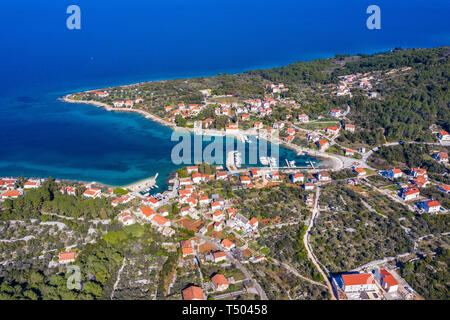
(143, 184)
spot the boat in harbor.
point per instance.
(264, 160)
(238, 159)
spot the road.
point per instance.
(247, 274)
(295, 272)
(311, 256)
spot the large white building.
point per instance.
(357, 282)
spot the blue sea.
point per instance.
(122, 42)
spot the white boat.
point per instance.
(264, 160)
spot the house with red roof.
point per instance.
(159, 221)
(197, 177)
(192, 293)
(349, 127)
(218, 216)
(147, 213)
(360, 171)
(431, 206)
(442, 157)
(349, 153)
(12, 194)
(66, 257)
(253, 224)
(332, 130)
(416, 172)
(220, 282)
(444, 136)
(394, 174)
(121, 200)
(444, 188)
(323, 176)
(68, 190)
(357, 282)
(32, 184)
(410, 193)
(245, 179)
(309, 186)
(420, 182)
(322, 144)
(227, 244)
(297, 177)
(92, 193)
(219, 256)
(388, 282)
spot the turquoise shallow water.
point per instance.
(123, 42)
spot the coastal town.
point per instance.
(351, 228)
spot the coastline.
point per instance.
(327, 162)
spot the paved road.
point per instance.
(247, 274)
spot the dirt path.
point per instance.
(308, 247)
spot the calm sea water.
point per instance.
(127, 41)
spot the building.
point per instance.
(309, 186)
(219, 256)
(126, 218)
(350, 127)
(388, 282)
(444, 136)
(323, 176)
(357, 282)
(221, 175)
(442, 157)
(332, 130)
(121, 200)
(416, 172)
(32, 185)
(303, 118)
(253, 224)
(245, 179)
(431, 206)
(147, 213)
(349, 153)
(11, 194)
(192, 169)
(322, 144)
(227, 244)
(360, 172)
(220, 282)
(394, 174)
(66, 257)
(420, 182)
(444, 188)
(297, 177)
(159, 221)
(410, 193)
(218, 216)
(192, 293)
(336, 112)
(68, 190)
(92, 193)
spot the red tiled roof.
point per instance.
(192, 293)
(357, 279)
(147, 211)
(66, 256)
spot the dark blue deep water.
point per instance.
(127, 41)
